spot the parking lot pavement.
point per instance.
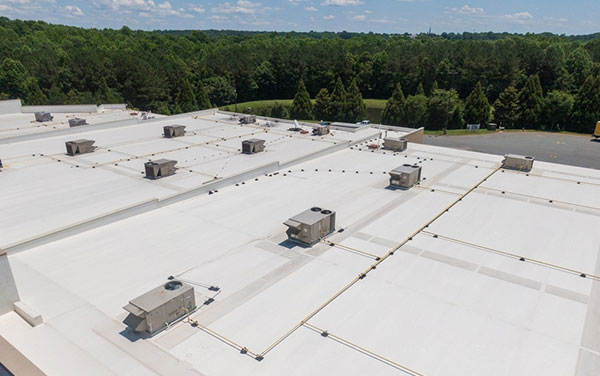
(575, 150)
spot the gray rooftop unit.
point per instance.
(310, 226)
(43, 116)
(253, 145)
(405, 176)
(320, 130)
(160, 168)
(517, 162)
(174, 131)
(76, 122)
(160, 307)
(248, 119)
(79, 146)
(395, 143)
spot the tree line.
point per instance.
(173, 72)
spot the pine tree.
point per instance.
(337, 108)
(477, 107)
(322, 104)
(202, 97)
(506, 108)
(444, 109)
(415, 110)
(393, 113)
(302, 106)
(356, 109)
(185, 100)
(530, 102)
(586, 109)
(420, 90)
(557, 108)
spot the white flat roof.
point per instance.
(426, 281)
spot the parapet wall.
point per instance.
(12, 106)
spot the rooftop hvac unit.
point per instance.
(320, 130)
(160, 168)
(405, 176)
(160, 307)
(174, 131)
(248, 119)
(253, 145)
(310, 226)
(395, 143)
(79, 147)
(76, 122)
(517, 162)
(43, 116)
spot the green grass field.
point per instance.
(374, 107)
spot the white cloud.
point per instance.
(520, 17)
(468, 10)
(329, 17)
(310, 9)
(74, 10)
(145, 8)
(240, 7)
(198, 9)
(341, 2)
(360, 17)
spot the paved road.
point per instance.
(558, 148)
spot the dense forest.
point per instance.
(539, 81)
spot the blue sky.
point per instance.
(389, 16)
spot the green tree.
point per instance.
(444, 106)
(34, 94)
(337, 102)
(185, 99)
(301, 106)
(220, 91)
(531, 101)
(393, 113)
(477, 107)
(13, 77)
(586, 109)
(202, 97)
(506, 108)
(420, 90)
(579, 64)
(415, 110)
(279, 111)
(322, 106)
(264, 80)
(356, 109)
(557, 109)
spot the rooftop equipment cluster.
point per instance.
(405, 176)
(310, 226)
(248, 119)
(79, 147)
(160, 307)
(171, 131)
(160, 168)
(252, 146)
(518, 162)
(395, 143)
(76, 122)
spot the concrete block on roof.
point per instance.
(395, 143)
(171, 131)
(253, 145)
(517, 162)
(43, 116)
(79, 146)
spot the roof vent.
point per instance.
(405, 176)
(248, 119)
(160, 307)
(174, 131)
(79, 147)
(160, 168)
(395, 143)
(310, 226)
(43, 116)
(517, 162)
(76, 122)
(320, 130)
(253, 145)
